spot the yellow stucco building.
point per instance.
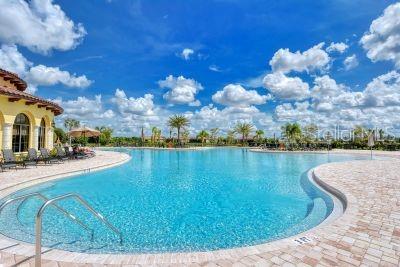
(25, 119)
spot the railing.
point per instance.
(52, 202)
(39, 195)
(38, 241)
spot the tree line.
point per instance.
(292, 136)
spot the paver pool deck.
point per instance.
(367, 234)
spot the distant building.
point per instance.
(25, 119)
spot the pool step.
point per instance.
(313, 217)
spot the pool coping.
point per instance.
(309, 236)
(51, 177)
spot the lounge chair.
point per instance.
(89, 153)
(9, 160)
(32, 158)
(61, 155)
(79, 154)
(46, 157)
(68, 152)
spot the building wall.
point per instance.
(8, 112)
(1, 128)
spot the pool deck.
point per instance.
(367, 234)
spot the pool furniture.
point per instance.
(61, 155)
(46, 157)
(83, 153)
(68, 152)
(89, 153)
(32, 158)
(8, 160)
(78, 154)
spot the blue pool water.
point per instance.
(168, 201)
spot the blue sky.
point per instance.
(133, 45)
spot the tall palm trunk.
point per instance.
(179, 135)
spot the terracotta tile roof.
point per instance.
(14, 79)
(15, 95)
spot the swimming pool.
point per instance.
(169, 201)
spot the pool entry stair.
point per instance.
(53, 202)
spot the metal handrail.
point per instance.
(38, 243)
(39, 195)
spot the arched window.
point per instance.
(42, 134)
(20, 140)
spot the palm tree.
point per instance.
(310, 132)
(214, 132)
(230, 137)
(105, 134)
(158, 135)
(154, 134)
(203, 135)
(291, 131)
(328, 136)
(244, 129)
(142, 136)
(70, 124)
(178, 122)
(359, 132)
(259, 135)
(186, 136)
(381, 133)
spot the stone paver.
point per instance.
(367, 234)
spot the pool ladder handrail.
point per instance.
(41, 196)
(39, 214)
(52, 202)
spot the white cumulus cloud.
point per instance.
(133, 113)
(225, 119)
(328, 95)
(139, 106)
(186, 53)
(331, 104)
(12, 60)
(47, 76)
(297, 112)
(382, 41)
(237, 96)
(181, 90)
(39, 25)
(337, 47)
(312, 59)
(350, 62)
(85, 109)
(284, 87)
(383, 91)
